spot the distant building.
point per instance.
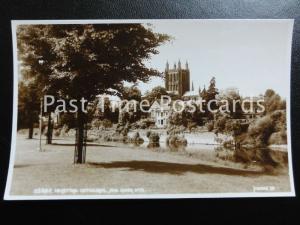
(177, 79)
(191, 95)
(160, 114)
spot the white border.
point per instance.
(7, 196)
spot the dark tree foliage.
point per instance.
(211, 93)
(132, 93)
(28, 106)
(234, 102)
(155, 94)
(79, 60)
(36, 56)
(273, 102)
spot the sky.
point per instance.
(251, 55)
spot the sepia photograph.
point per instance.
(173, 108)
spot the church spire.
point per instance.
(179, 64)
(186, 65)
(167, 66)
(192, 86)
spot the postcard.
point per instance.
(110, 109)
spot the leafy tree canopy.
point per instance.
(85, 60)
(155, 94)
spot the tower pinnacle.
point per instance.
(167, 66)
(186, 65)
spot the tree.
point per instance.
(91, 59)
(220, 124)
(67, 119)
(262, 129)
(132, 93)
(211, 93)
(273, 101)
(188, 118)
(233, 100)
(155, 94)
(36, 56)
(28, 106)
(133, 96)
(177, 119)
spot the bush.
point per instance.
(115, 137)
(172, 130)
(144, 123)
(176, 141)
(57, 132)
(96, 123)
(220, 124)
(177, 119)
(153, 140)
(106, 123)
(136, 139)
(148, 133)
(235, 128)
(264, 156)
(210, 126)
(122, 129)
(278, 138)
(191, 126)
(261, 130)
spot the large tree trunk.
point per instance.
(30, 133)
(80, 154)
(49, 130)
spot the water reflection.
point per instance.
(209, 151)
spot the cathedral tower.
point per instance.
(177, 79)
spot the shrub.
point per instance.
(136, 139)
(148, 133)
(235, 128)
(261, 130)
(96, 123)
(115, 137)
(278, 138)
(267, 158)
(191, 125)
(145, 123)
(106, 123)
(210, 126)
(153, 140)
(220, 124)
(176, 141)
(57, 132)
(172, 130)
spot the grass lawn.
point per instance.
(120, 170)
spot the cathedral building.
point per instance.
(177, 79)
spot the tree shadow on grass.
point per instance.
(175, 168)
(72, 144)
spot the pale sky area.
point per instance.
(251, 55)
